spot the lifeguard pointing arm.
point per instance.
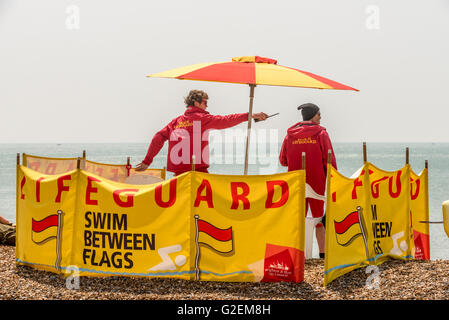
(191, 128)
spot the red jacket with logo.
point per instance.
(189, 135)
(312, 139)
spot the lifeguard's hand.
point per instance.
(260, 116)
(141, 166)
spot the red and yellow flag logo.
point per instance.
(45, 229)
(348, 229)
(219, 240)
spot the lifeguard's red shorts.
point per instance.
(316, 207)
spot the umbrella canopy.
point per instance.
(252, 70)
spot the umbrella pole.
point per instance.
(250, 117)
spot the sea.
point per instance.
(263, 159)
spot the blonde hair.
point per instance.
(195, 95)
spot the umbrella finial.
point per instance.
(254, 59)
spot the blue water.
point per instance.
(263, 160)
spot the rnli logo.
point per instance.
(304, 141)
(183, 124)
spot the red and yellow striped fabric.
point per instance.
(252, 70)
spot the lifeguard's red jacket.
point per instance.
(189, 135)
(311, 138)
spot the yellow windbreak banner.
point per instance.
(103, 227)
(114, 172)
(381, 226)
(160, 173)
(46, 208)
(49, 165)
(249, 228)
(390, 213)
(347, 232)
(194, 226)
(419, 193)
(132, 230)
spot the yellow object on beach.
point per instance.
(374, 217)
(49, 165)
(115, 172)
(446, 216)
(196, 226)
(419, 207)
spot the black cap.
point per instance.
(308, 110)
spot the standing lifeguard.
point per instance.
(189, 135)
(309, 137)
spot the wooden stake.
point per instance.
(250, 118)
(128, 166)
(426, 164)
(17, 196)
(193, 163)
(426, 221)
(406, 155)
(364, 153)
(84, 154)
(329, 156)
(78, 163)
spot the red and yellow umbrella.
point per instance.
(252, 70)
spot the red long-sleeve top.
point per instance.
(311, 138)
(189, 135)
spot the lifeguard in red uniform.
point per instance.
(309, 137)
(188, 135)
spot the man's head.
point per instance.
(310, 112)
(197, 98)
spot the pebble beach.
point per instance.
(398, 280)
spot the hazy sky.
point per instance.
(75, 71)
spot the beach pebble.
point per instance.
(396, 280)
